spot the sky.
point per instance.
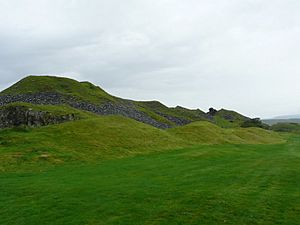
(242, 55)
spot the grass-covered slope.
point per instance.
(102, 137)
(207, 185)
(208, 133)
(89, 139)
(228, 118)
(75, 93)
(84, 91)
(180, 112)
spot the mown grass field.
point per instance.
(207, 184)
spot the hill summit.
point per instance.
(87, 97)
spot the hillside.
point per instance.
(82, 91)
(70, 153)
(50, 119)
(51, 90)
(208, 133)
(100, 137)
(229, 118)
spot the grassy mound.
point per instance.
(228, 118)
(208, 133)
(102, 137)
(84, 91)
(91, 139)
(180, 112)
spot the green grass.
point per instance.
(210, 184)
(115, 170)
(103, 137)
(180, 112)
(83, 91)
(222, 119)
(208, 133)
(85, 140)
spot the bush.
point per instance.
(256, 122)
(286, 127)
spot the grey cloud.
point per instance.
(234, 54)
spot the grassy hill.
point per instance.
(84, 91)
(88, 97)
(208, 133)
(112, 169)
(228, 118)
(96, 138)
(179, 112)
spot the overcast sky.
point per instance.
(236, 54)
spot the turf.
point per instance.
(208, 133)
(115, 170)
(179, 112)
(102, 137)
(229, 119)
(83, 91)
(209, 184)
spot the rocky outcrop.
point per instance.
(178, 121)
(14, 116)
(50, 90)
(123, 107)
(127, 109)
(46, 98)
(212, 112)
